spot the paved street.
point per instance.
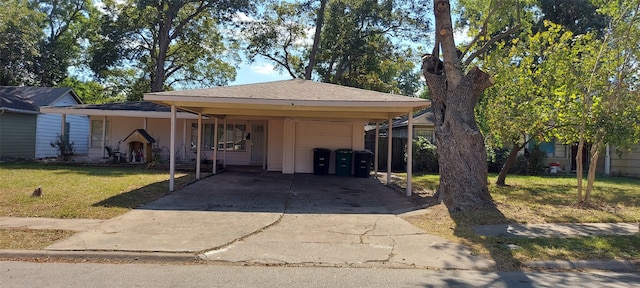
(24, 274)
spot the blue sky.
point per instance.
(259, 71)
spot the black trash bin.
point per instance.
(362, 163)
(321, 161)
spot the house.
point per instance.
(138, 131)
(273, 125)
(623, 162)
(278, 124)
(26, 133)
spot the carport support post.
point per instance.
(172, 148)
(409, 153)
(224, 154)
(376, 149)
(104, 134)
(198, 147)
(215, 146)
(389, 154)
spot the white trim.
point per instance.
(185, 100)
(376, 148)
(409, 153)
(198, 147)
(121, 113)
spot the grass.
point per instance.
(539, 199)
(27, 239)
(79, 191)
(73, 192)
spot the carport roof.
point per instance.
(290, 98)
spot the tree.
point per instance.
(531, 72)
(354, 43)
(531, 77)
(279, 36)
(65, 25)
(169, 42)
(606, 103)
(455, 91)
(20, 33)
(90, 92)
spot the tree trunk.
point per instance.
(593, 166)
(460, 145)
(316, 40)
(507, 164)
(579, 168)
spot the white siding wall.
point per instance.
(49, 127)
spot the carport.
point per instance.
(298, 114)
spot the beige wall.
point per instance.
(275, 136)
(290, 142)
(159, 129)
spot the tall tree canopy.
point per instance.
(165, 42)
(355, 43)
(40, 39)
(20, 34)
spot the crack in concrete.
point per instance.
(256, 232)
(393, 249)
(375, 225)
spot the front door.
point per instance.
(257, 144)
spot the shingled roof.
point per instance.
(29, 99)
(290, 98)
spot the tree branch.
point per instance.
(490, 43)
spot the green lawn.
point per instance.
(79, 191)
(539, 199)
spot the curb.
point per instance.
(603, 265)
(99, 255)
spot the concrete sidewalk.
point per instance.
(560, 230)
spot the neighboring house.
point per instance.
(26, 133)
(625, 162)
(422, 127)
(113, 126)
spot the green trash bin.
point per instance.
(343, 162)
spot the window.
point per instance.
(236, 137)
(207, 136)
(96, 134)
(554, 149)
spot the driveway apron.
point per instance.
(271, 218)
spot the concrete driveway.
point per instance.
(271, 218)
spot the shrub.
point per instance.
(425, 156)
(532, 165)
(65, 148)
(496, 158)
